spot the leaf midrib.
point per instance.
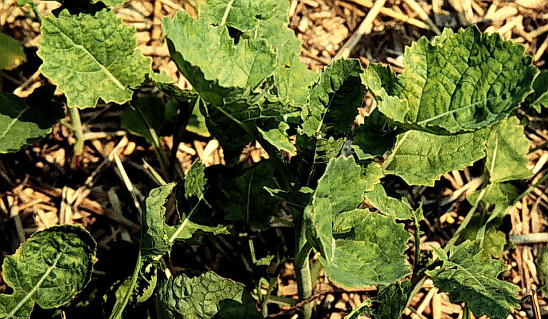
(83, 48)
(12, 123)
(36, 287)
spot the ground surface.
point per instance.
(42, 186)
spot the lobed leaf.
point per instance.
(374, 137)
(23, 123)
(81, 49)
(205, 297)
(388, 304)
(388, 205)
(470, 275)
(48, 269)
(353, 244)
(460, 82)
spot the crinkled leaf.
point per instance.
(460, 82)
(507, 148)
(195, 180)
(364, 254)
(388, 304)
(420, 158)
(236, 70)
(334, 100)
(23, 123)
(470, 275)
(48, 269)
(205, 297)
(154, 238)
(91, 57)
(399, 208)
(246, 197)
(11, 52)
(373, 138)
(267, 19)
(539, 98)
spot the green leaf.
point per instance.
(205, 297)
(340, 189)
(388, 304)
(91, 57)
(364, 255)
(23, 123)
(111, 3)
(507, 148)
(496, 193)
(460, 82)
(470, 275)
(539, 98)
(373, 138)
(191, 227)
(421, 158)
(267, 19)
(154, 238)
(195, 180)
(542, 266)
(11, 52)
(246, 197)
(399, 208)
(353, 244)
(236, 70)
(278, 137)
(149, 112)
(48, 269)
(334, 100)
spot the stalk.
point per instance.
(76, 122)
(183, 116)
(302, 266)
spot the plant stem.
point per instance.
(183, 116)
(117, 313)
(302, 266)
(74, 115)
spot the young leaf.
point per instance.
(539, 98)
(470, 275)
(23, 123)
(48, 269)
(388, 304)
(353, 243)
(399, 208)
(195, 180)
(266, 19)
(421, 158)
(334, 100)
(507, 147)
(155, 240)
(205, 297)
(460, 82)
(97, 49)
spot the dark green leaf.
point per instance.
(205, 297)
(460, 82)
(48, 269)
